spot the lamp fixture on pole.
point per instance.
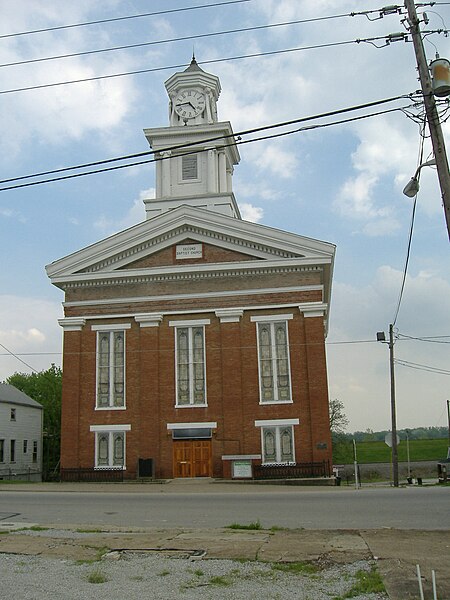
(382, 338)
(412, 187)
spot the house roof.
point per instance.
(11, 395)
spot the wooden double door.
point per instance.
(192, 458)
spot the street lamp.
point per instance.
(382, 338)
(412, 187)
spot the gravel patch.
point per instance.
(135, 576)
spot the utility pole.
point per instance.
(437, 138)
(448, 415)
(393, 412)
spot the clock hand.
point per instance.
(183, 103)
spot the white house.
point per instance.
(21, 420)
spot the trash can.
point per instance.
(338, 480)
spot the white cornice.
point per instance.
(190, 272)
(72, 323)
(149, 319)
(313, 309)
(198, 295)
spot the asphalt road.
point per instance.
(336, 508)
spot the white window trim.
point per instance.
(265, 318)
(94, 428)
(110, 329)
(211, 425)
(110, 429)
(276, 422)
(277, 443)
(273, 319)
(190, 325)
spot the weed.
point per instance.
(96, 577)
(163, 573)
(34, 528)
(296, 568)
(256, 525)
(219, 580)
(198, 572)
(367, 582)
(99, 555)
(277, 528)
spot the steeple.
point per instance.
(196, 153)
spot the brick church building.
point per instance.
(194, 342)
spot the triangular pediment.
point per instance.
(152, 245)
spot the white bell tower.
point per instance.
(196, 154)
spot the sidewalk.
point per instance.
(396, 552)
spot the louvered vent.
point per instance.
(189, 167)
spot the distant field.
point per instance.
(371, 452)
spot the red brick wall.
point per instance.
(232, 392)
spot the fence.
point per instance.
(294, 471)
(27, 474)
(92, 475)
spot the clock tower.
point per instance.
(195, 155)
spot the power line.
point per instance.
(184, 146)
(173, 67)
(184, 65)
(420, 367)
(11, 353)
(127, 17)
(438, 339)
(411, 229)
(170, 40)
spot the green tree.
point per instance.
(45, 387)
(342, 446)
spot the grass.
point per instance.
(296, 568)
(99, 555)
(88, 530)
(220, 581)
(96, 577)
(367, 582)
(255, 526)
(372, 452)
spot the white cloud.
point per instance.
(251, 213)
(359, 373)
(136, 214)
(29, 329)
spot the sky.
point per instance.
(341, 183)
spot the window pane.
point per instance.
(2, 450)
(183, 365)
(103, 450)
(119, 362)
(282, 361)
(269, 445)
(103, 370)
(118, 448)
(12, 453)
(198, 366)
(265, 362)
(286, 446)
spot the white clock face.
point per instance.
(189, 104)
